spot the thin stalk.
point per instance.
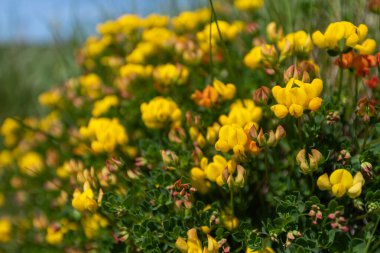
(232, 200)
(340, 82)
(229, 66)
(372, 234)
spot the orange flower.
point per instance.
(360, 63)
(205, 98)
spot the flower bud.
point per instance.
(366, 169)
(261, 95)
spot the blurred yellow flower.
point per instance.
(5, 230)
(103, 105)
(160, 112)
(246, 5)
(31, 163)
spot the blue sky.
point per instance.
(38, 20)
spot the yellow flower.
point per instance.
(198, 177)
(31, 163)
(246, 5)
(266, 250)
(194, 245)
(170, 74)
(342, 182)
(50, 98)
(231, 137)
(296, 97)
(5, 230)
(298, 42)
(160, 112)
(260, 55)
(103, 105)
(90, 85)
(230, 222)
(356, 189)
(83, 201)
(105, 134)
(214, 170)
(6, 158)
(54, 235)
(345, 31)
(367, 47)
(92, 224)
(190, 20)
(8, 130)
(133, 71)
(227, 31)
(155, 20)
(225, 91)
(323, 182)
(241, 113)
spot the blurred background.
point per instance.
(38, 39)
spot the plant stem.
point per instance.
(232, 200)
(340, 82)
(229, 66)
(372, 234)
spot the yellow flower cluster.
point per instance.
(190, 20)
(5, 230)
(227, 31)
(232, 137)
(102, 106)
(194, 245)
(49, 98)
(105, 134)
(247, 5)
(133, 71)
(8, 131)
(160, 112)
(341, 182)
(265, 54)
(350, 35)
(170, 74)
(31, 163)
(90, 85)
(92, 224)
(296, 97)
(83, 201)
(242, 112)
(295, 43)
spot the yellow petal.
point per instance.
(315, 104)
(280, 110)
(341, 176)
(323, 182)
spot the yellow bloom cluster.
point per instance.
(352, 36)
(103, 105)
(227, 31)
(296, 97)
(133, 71)
(160, 112)
(83, 201)
(49, 98)
(190, 20)
(341, 182)
(232, 137)
(5, 230)
(261, 55)
(266, 250)
(246, 5)
(105, 134)
(170, 74)
(31, 163)
(242, 112)
(194, 245)
(295, 43)
(8, 131)
(92, 224)
(90, 85)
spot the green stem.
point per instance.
(229, 66)
(232, 200)
(340, 82)
(372, 234)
